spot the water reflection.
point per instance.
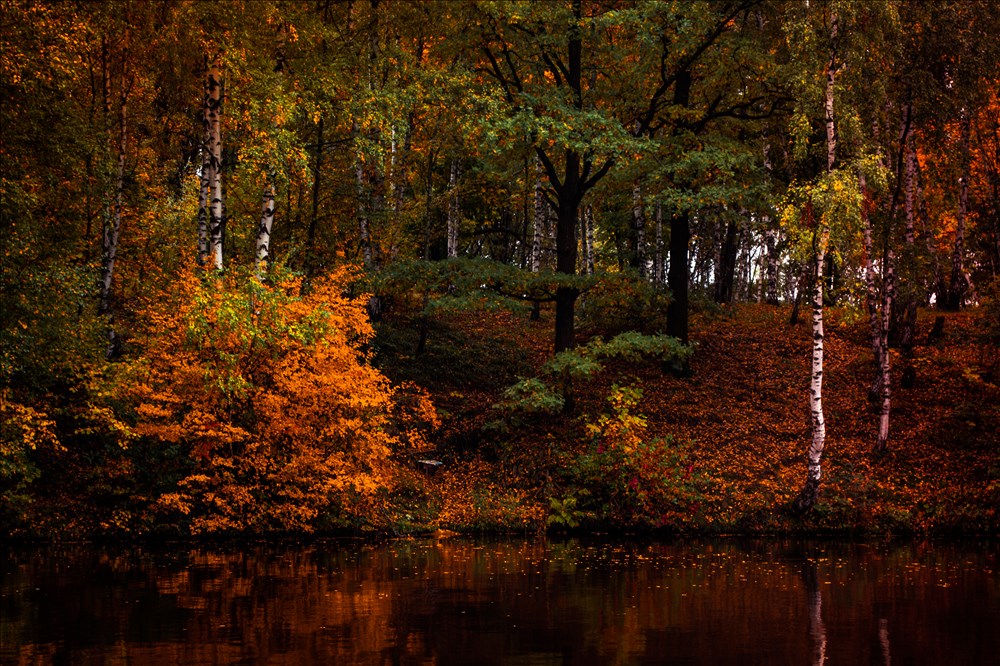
(814, 596)
(512, 602)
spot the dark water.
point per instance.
(463, 601)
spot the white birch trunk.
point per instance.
(810, 493)
(639, 225)
(871, 291)
(112, 226)
(398, 178)
(264, 230)
(831, 75)
(213, 110)
(910, 314)
(453, 208)
(771, 275)
(204, 189)
(815, 457)
(539, 220)
(659, 275)
(884, 358)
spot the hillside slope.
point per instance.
(735, 431)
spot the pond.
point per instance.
(503, 601)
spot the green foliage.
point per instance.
(460, 283)
(565, 512)
(622, 301)
(540, 394)
(531, 396)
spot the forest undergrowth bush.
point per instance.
(624, 478)
(241, 406)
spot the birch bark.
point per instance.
(810, 492)
(213, 131)
(910, 314)
(453, 208)
(658, 275)
(885, 381)
(539, 220)
(639, 227)
(264, 230)
(588, 240)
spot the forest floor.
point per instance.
(723, 450)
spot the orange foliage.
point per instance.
(286, 424)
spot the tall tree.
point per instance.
(820, 239)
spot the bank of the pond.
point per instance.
(718, 451)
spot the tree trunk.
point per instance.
(588, 235)
(677, 277)
(401, 179)
(539, 220)
(810, 492)
(658, 247)
(908, 332)
(771, 276)
(264, 229)
(727, 266)
(807, 498)
(213, 125)
(453, 208)
(566, 255)
(639, 229)
(885, 382)
(112, 226)
(871, 298)
(801, 286)
(204, 195)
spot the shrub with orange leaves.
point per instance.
(271, 396)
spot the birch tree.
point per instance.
(117, 136)
(212, 160)
(818, 207)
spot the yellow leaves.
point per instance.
(24, 428)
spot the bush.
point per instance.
(627, 481)
(272, 397)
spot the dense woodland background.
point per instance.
(285, 267)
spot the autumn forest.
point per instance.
(387, 267)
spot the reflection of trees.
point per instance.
(814, 599)
(883, 640)
(461, 601)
